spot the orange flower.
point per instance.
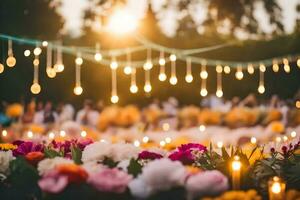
(34, 157)
(192, 169)
(75, 173)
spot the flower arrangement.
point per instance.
(85, 169)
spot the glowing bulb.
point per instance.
(35, 88)
(203, 92)
(262, 67)
(203, 74)
(114, 65)
(78, 61)
(162, 76)
(298, 62)
(83, 134)
(1, 68)
(275, 67)
(78, 90)
(59, 67)
(98, 57)
(37, 51)
(51, 72)
(148, 65)
(220, 144)
(261, 89)
(122, 22)
(168, 140)
(4, 133)
(51, 135)
(27, 53)
(162, 61)
(250, 69)
(298, 104)
(162, 143)
(253, 140)
(227, 69)
(29, 134)
(166, 126)
(62, 133)
(114, 99)
(239, 75)
(287, 68)
(133, 89)
(44, 43)
(173, 57)
(145, 139)
(285, 138)
(278, 139)
(276, 187)
(189, 78)
(11, 61)
(219, 93)
(127, 70)
(219, 69)
(293, 134)
(236, 165)
(136, 143)
(202, 128)
(36, 62)
(147, 88)
(173, 80)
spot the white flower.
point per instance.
(123, 165)
(158, 175)
(50, 163)
(96, 151)
(206, 183)
(93, 167)
(117, 152)
(5, 158)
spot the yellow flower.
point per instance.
(14, 110)
(277, 127)
(7, 147)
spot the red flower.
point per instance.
(34, 157)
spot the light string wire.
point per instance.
(182, 54)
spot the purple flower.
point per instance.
(186, 153)
(110, 180)
(27, 147)
(147, 155)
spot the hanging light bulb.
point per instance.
(133, 87)
(250, 69)
(127, 70)
(162, 74)
(203, 92)
(78, 61)
(44, 43)
(51, 72)
(114, 95)
(59, 66)
(275, 66)
(298, 62)
(219, 92)
(148, 64)
(173, 57)
(37, 51)
(78, 90)
(35, 87)
(114, 64)
(173, 78)
(189, 77)
(219, 69)
(27, 53)
(286, 65)
(203, 73)
(114, 99)
(226, 69)
(261, 89)
(262, 67)
(261, 86)
(1, 68)
(11, 60)
(147, 88)
(239, 73)
(98, 55)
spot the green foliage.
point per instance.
(50, 153)
(109, 162)
(76, 154)
(134, 167)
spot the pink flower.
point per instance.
(206, 183)
(110, 180)
(52, 182)
(147, 155)
(192, 146)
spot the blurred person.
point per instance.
(87, 116)
(46, 116)
(66, 113)
(250, 101)
(28, 116)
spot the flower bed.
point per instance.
(99, 170)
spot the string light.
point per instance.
(293, 134)
(44, 43)
(227, 69)
(173, 57)
(37, 51)
(173, 78)
(145, 139)
(62, 133)
(286, 65)
(202, 128)
(83, 134)
(136, 143)
(148, 64)
(203, 75)
(162, 62)
(1, 68)
(261, 86)
(128, 68)
(49, 69)
(275, 66)
(189, 77)
(133, 86)
(219, 92)
(29, 134)
(11, 60)
(262, 67)
(27, 53)
(98, 55)
(59, 66)
(297, 104)
(147, 86)
(298, 62)
(239, 73)
(4, 133)
(35, 87)
(114, 96)
(51, 135)
(78, 62)
(250, 69)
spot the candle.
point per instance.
(276, 189)
(236, 166)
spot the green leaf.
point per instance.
(109, 162)
(50, 153)
(134, 167)
(76, 154)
